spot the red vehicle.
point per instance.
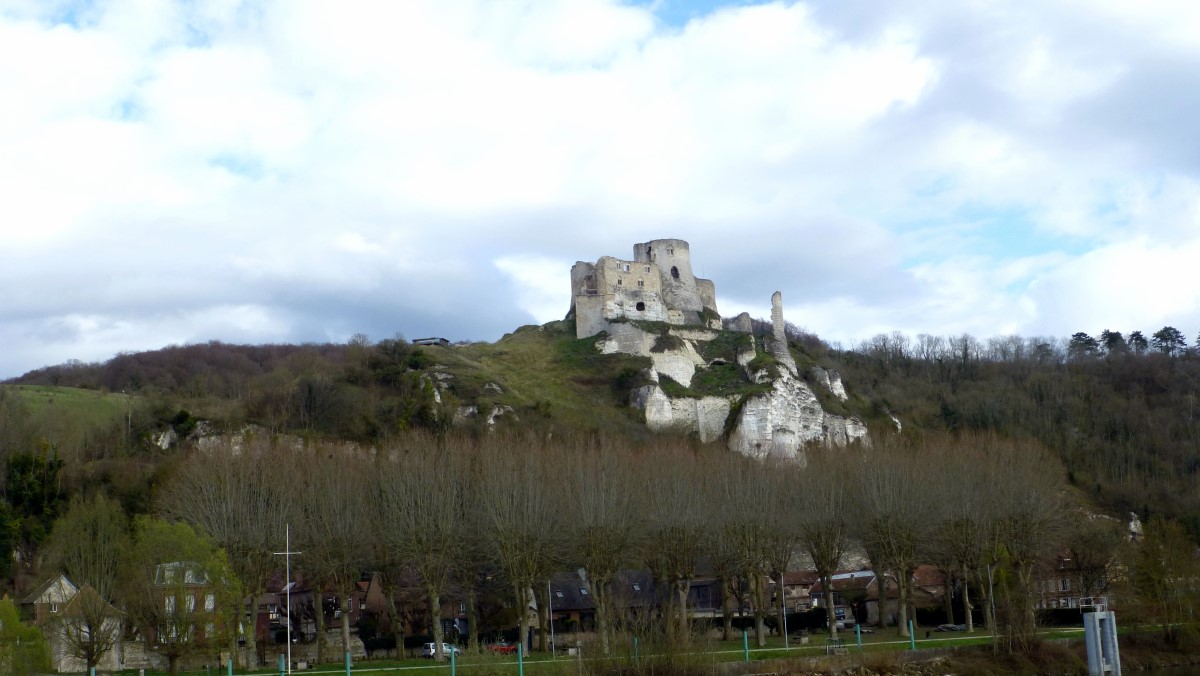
(503, 648)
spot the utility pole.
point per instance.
(287, 554)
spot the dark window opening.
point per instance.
(641, 307)
(675, 272)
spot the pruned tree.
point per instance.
(603, 521)
(424, 499)
(523, 518)
(240, 493)
(893, 510)
(676, 494)
(823, 519)
(335, 491)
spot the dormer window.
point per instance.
(637, 587)
(582, 591)
(558, 593)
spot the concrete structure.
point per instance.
(657, 285)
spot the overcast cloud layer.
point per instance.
(175, 172)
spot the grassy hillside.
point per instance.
(544, 373)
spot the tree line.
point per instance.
(446, 514)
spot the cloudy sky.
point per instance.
(176, 172)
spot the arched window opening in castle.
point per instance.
(641, 307)
(641, 283)
(674, 272)
(619, 280)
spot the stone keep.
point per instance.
(657, 285)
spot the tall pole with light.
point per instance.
(287, 554)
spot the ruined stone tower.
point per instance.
(657, 285)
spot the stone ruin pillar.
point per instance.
(779, 346)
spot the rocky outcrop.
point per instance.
(830, 380)
(705, 416)
(778, 423)
(781, 422)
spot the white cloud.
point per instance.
(303, 170)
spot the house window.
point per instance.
(54, 606)
(582, 591)
(641, 307)
(1066, 585)
(462, 607)
(190, 604)
(210, 602)
(169, 605)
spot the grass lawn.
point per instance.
(704, 653)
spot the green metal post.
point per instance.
(281, 667)
(453, 651)
(635, 652)
(858, 636)
(229, 666)
(912, 637)
(347, 663)
(745, 645)
(91, 671)
(520, 660)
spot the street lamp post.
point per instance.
(287, 554)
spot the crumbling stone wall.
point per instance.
(657, 285)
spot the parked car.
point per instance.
(503, 648)
(428, 650)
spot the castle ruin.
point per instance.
(657, 285)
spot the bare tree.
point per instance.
(823, 521)
(893, 516)
(604, 524)
(423, 495)
(523, 517)
(676, 491)
(336, 488)
(240, 493)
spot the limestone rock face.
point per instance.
(780, 422)
(705, 416)
(831, 380)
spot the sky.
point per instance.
(302, 171)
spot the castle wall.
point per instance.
(673, 258)
(615, 289)
(657, 285)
